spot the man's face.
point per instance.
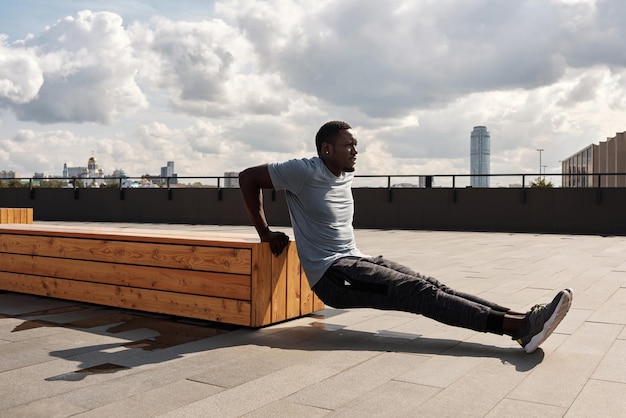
(340, 156)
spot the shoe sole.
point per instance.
(550, 325)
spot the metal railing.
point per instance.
(453, 181)
(390, 182)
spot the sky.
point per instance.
(218, 86)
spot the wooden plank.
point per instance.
(310, 301)
(224, 260)
(261, 285)
(231, 286)
(318, 304)
(279, 286)
(16, 215)
(191, 306)
(306, 295)
(152, 235)
(293, 282)
(27, 214)
(5, 213)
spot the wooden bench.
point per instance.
(16, 215)
(227, 278)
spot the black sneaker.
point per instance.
(543, 319)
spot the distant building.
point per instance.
(92, 175)
(7, 175)
(119, 176)
(231, 179)
(480, 149)
(582, 168)
(168, 172)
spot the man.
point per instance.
(321, 208)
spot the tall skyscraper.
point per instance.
(480, 150)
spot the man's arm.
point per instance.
(251, 182)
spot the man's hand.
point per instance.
(278, 241)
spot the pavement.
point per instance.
(61, 358)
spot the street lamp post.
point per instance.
(540, 151)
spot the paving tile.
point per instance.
(254, 395)
(475, 393)
(43, 408)
(31, 330)
(514, 409)
(585, 281)
(354, 382)
(135, 382)
(380, 322)
(440, 370)
(573, 362)
(283, 408)
(574, 320)
(427, 328)
(155, 402)
(600, 292)
(353, 362)
(66, 314)
(8, 325)
(21, 354)
(599, 399)
(73, 342)
(392, 399)
(19, 304)
(235, 372)
(32, 383)
(613, 310)
(613, 365)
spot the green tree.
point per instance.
(53, 184)
(13, 183)
(541, 182)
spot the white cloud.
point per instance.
(88, 72)
(249, 81)
(20, 74)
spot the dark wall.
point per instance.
(587, 211)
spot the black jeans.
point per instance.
(382, 284)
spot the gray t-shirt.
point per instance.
(321, 209)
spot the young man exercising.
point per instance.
(321, 208)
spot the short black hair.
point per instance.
(328, 131)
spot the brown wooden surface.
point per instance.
(191, 306)
(294, 283)
(153, 235)
(279, 285)
(231, 286)
(219, 259)
(16, 215)
(244, 284)
(318, 304)
(261, 285)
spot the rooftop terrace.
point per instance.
(60, 358)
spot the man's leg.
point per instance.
(381, 284)
(406, 270)
(510, 324)
(367, 283)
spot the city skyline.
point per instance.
(218, 86)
